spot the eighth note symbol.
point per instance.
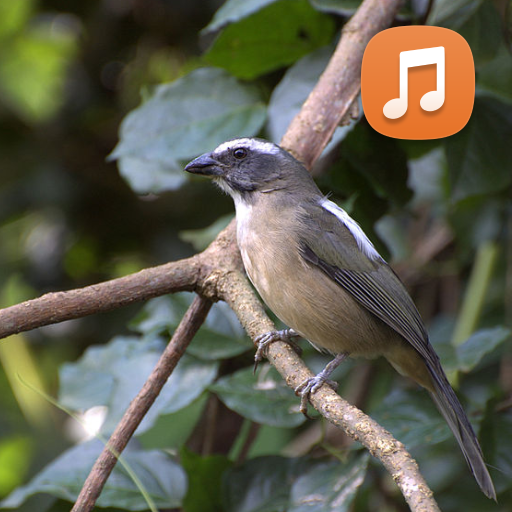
(430, 101)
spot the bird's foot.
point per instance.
(313, 384)
(265, 340)
(310, 386)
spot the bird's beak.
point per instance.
(205, 165)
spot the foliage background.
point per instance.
(70, 72)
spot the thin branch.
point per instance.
(60, 306)
(140, 405)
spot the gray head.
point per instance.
(244, 166)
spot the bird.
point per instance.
(316, 269)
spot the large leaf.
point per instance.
(162, 478)
(235, 10)
(483, 34)
(341, 7)
(274, 36)
(452, 13)
(205, 476)
(292, 91)
(329, 487)
(479, 155)
(412, 418)
(220, 337)
(263, 398)
(181, 120)
(495, 77)
(269, 484)
(502, 445)
(482, 342)
(113, 374)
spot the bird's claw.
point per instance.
(265, 340)
(309, 387)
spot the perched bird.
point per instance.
(318, 272)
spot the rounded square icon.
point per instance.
(418, 82)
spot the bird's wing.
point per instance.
(340, 249)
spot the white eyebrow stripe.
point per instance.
(363, 242)
(251, 144)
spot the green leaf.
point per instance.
(329, 487)
(341, 7)
(483, 342)
(235, 10)
(181, 120)
(262, 484)
(269, 484)
(412, 418)
(171, 431)
(292, 91)
(16, 452)
(33, 69)
(271, 38)
(114, 373)
(263, 398)
(13, 16)
(495, 77)
(483, 33)
(220, 337)
(452, 13)
(161, 315)
(205, 476)
(162, 478)
(479, 155)
(502, 444)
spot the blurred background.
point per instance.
(70, 71)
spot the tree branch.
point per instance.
(140, 405)
(338, 87)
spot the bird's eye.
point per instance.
(240, 153)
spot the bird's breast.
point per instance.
(301, 295)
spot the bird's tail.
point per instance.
(448, 404)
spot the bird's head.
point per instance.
(244, 166)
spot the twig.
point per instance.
(140, 405)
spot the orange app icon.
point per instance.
(418, 82)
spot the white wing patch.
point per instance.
(259, 145)
(361, 239)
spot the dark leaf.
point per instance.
(235, 10)
(248, 49)
(482, 342)
(292, 91)
(162, 478)
(181, 120)
(205, 476)
(263, 398)
(113, 374)
(479, 155)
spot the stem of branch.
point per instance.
(189, 325)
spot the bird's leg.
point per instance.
(313, 384)
(268, 338)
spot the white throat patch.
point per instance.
(363, 242)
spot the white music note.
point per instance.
(430, 101)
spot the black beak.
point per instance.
(205, 165)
